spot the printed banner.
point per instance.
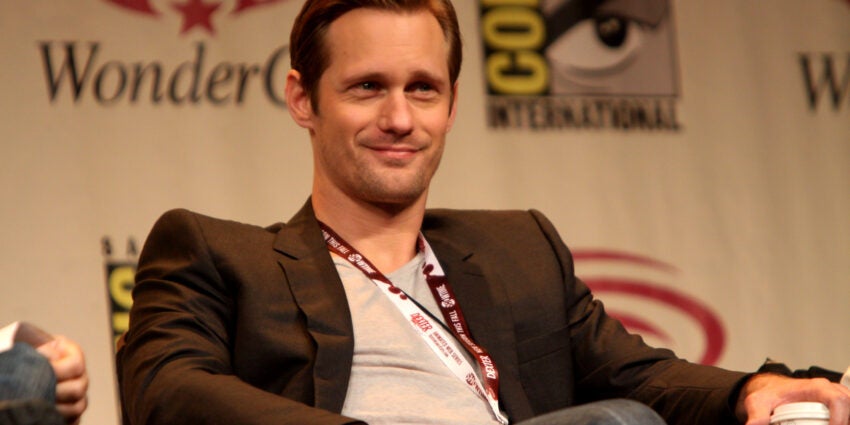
(695, 156)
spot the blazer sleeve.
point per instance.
(609, 362)
(175, 364)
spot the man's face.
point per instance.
(384, 107)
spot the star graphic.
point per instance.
(196, 12)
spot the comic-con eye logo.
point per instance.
(610, 47)
(579, 47)
(631, 288)
(195, 13)
(572, 64)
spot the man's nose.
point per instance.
(396, 114)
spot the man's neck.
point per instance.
(385, 234)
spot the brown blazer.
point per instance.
(237, 324)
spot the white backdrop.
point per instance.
(733, 227)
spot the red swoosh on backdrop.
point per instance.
(142, 6)
(709, 323)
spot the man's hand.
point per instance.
(763, 392)
(72, 381)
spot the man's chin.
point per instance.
(394, 200)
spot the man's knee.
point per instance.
(626, 412)
(607, 412)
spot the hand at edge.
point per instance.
(764, 392)
(72, 380)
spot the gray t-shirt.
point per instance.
(395, 377)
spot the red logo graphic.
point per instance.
(604, 277)
(196, 13)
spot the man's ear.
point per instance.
(298, 100)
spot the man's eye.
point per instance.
(368, 85)
(423, 87)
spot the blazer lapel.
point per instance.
(487, 311)
(319, 293)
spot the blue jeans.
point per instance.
(25, 375)
(607, 412)
(27, 388)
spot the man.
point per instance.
(476, 318)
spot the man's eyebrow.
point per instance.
(417, 75)
(424, 74)
(362, 76)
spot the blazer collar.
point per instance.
(318, 291)
(486, 308)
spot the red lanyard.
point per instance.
(419, 319)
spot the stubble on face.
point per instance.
(382, 146)
(389, 183)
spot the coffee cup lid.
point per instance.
(802, 410)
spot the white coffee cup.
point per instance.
(805, 413)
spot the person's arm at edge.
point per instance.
(763, 392)
(633, 370)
